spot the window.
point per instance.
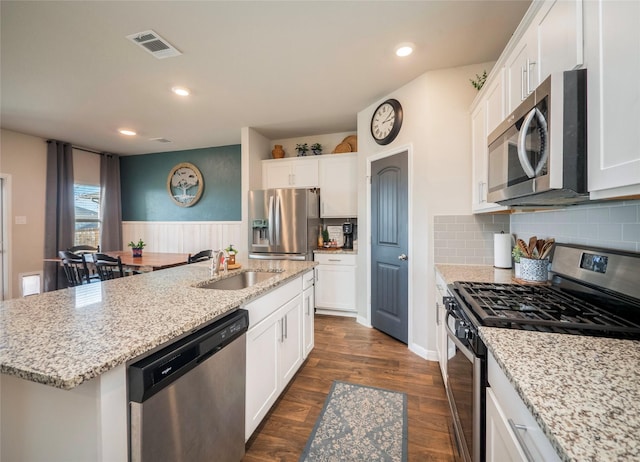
(87, 206)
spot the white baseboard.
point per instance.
(346, 314)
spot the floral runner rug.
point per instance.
(359, 423)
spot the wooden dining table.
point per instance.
(154, 260)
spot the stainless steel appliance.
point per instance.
(347, 230)
(593, 291)
(187, 400)
(284, 223)
(538, 155)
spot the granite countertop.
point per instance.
(583, 391)
(68, 336)
(474, 273)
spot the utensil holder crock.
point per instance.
(533, 269)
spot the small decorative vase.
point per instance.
(137, 252)
(277, 152)
(534, 270)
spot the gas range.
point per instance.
(592, 292)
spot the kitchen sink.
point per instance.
(239, 281)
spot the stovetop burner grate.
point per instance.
(543, 308)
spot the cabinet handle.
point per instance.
(281, 330)
(286, 326)
(334, 259)
(522, 84)
(516, 428)
(529, 63)
(437, 314)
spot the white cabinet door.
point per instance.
(612, 55)
(502, 444)
(305, 173)
(308, 313)
(262, 371)
(338, 186)
(494, 97)
(520, 71)
(479, 146)
(290, 342)
(559, 33)
(290, 173)
(336, 287)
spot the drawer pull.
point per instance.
(334, 259)
(517, 428)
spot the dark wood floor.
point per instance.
(345, 350)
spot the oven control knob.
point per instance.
(469, 334)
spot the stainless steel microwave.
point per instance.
(538, 155)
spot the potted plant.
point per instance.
(136, 247)
(517, 253)
(302, 149)
(231, 252)
(316, 148)
(325, 238)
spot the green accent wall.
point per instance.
(143, 182)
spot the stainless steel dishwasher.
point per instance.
(187, 400)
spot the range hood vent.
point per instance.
(154, 44)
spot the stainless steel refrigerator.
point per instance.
(283, 223)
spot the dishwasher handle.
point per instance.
(153, 373)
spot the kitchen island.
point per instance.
(584, 392)
(63, 354)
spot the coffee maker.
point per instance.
(347, 230)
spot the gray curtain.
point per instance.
(111, 210)
(60, 213)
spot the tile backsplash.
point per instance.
(613, 225)
(467, 239)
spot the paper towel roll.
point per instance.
(502, 250)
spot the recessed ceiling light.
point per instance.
(181, 91)
(126, 131)
(404, 49)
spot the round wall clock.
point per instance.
(185, 184)
(386, 121)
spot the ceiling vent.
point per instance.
(154, 44)
(160, 140)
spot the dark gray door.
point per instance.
(389, 244)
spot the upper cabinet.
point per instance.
(290, 173)
(485, 116)
(552, 42)
(338, 186)
(335, 175)
(520, 70)
(612, 57)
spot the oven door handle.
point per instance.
(465, 351)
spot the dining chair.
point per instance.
(108, 267)
(200, 256)
(75, 268)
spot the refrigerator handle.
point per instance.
(271, 220)
(278, 220)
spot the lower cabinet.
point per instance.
(336, 283)
(442, 341)
(274, 349)
(308, 312)
(512, 432)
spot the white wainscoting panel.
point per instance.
(185, 236)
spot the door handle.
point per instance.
(403, 257)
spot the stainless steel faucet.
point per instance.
(218, 256)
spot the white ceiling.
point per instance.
(287, 69)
